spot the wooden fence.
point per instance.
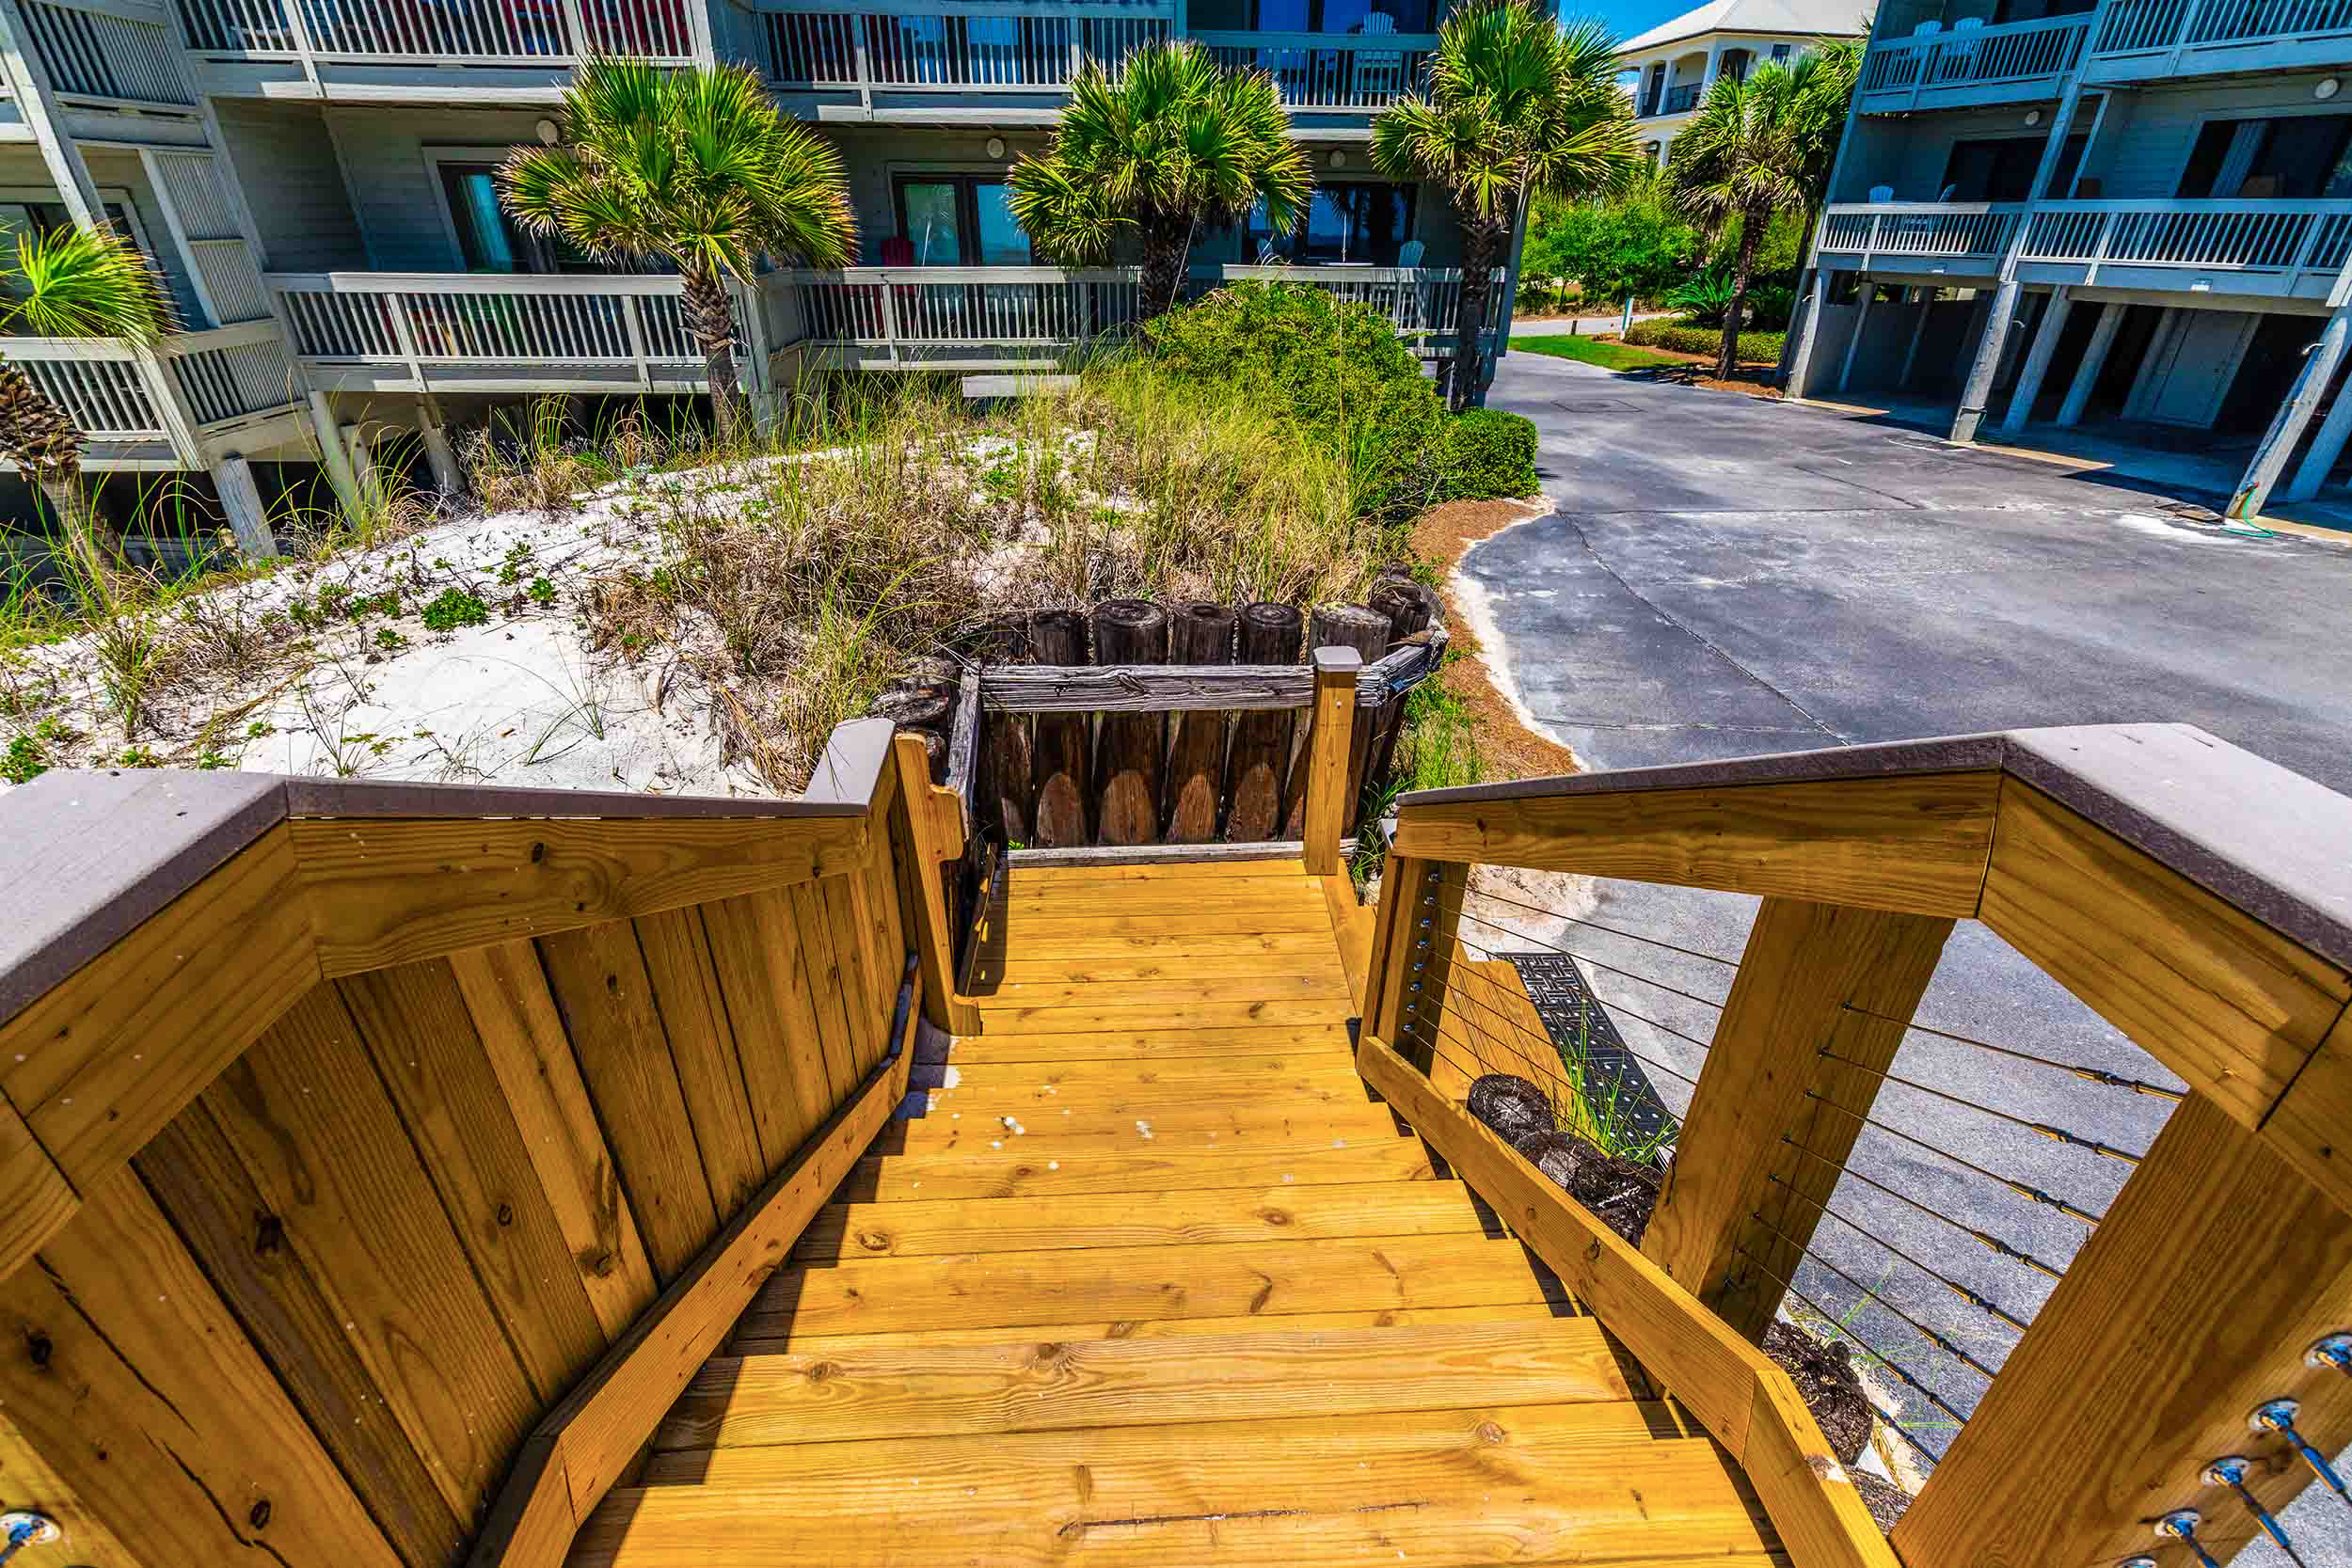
(2195, 896)
(348, 1128)
(1192, 725)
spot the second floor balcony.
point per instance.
(2253, 249)
(379, 46)
(2018, 62)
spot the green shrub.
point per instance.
(1684, 336)
(1634, 243)
(455, 607)
(1485, 454)
(26, 760)
(1334, 368)
(1706, 298)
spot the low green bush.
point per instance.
(1684, 336)
(455, 607)
(1486, 453)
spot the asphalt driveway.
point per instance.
(1728, 576)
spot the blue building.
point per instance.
(312, 178)
(2128, 218)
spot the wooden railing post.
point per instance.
(1328, 751)
(1412, 946)
(926, 833)
(1777, 1110)
(2189, 1305)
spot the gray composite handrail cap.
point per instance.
(2268, 841)
(87, 855)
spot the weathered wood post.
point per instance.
(1329, 745)
(1270, 634)
(927, 832)
(1005, 755)
(1059, 815)
(1200, 634)
(1338, 626)
(1412, 609)
(1129, 756)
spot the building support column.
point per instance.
(2095, 360)
(447, 477)
(1808, 324)
(334, 456)
(2286, 426)
(2029, 379)
(241, 499)
(361, 455)
(1991, 347)
(1860, 323)
(2326, 448)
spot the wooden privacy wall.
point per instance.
(313, 1318)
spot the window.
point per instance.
(1343, 16)
(1359, 224)
(2286, 158)
(958, 220)
(487, 238)
(1780, 53)
(2003, 169)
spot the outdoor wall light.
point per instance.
(548, 132)
(2034, 117)
(1339, 160)
(995, 146)
(2328, 88)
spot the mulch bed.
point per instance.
(1507, 748)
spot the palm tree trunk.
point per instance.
(1483, 242)
(1751, 235)
(1167, 244)
(710, 318)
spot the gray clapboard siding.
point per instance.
(281, 156)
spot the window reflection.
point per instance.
(1360, 225)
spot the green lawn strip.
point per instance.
(1592, 351)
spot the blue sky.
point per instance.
(1625, 18)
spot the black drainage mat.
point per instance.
(1580, 1024)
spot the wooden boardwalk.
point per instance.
(1147, 1277)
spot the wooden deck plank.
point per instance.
(1242, 1102)
(1176, 944)
(1077, 1125)
(1160, 871)
(1170, 992)
(1229, 1071)
(1015, 929)
(1110, 969)
(1221, 1279)
(1016, 1172)
(1005, 1044)
(1030, 1388)
(1527, 1483)
(1084, 1019)
(1153, 1328)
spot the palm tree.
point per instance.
(1518, 107)
(694, 168)
(69, 283)
(1172, 141)
(1758, 148)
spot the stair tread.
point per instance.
(1013, 1171)
(1007, 1044)
(918, 1229)
(1238, 1074)
(1149, 1328)
(1221, 1279)
(1178, 1124)
(1526, 1482)
(1029, 1385)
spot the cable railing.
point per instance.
(2092, 1276)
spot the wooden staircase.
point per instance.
(1145, 1276)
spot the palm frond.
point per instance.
(85, 283)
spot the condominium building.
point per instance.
(2124, 226)
(1669, 67)
(312, 179)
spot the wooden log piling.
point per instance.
(1058, 815)
(1412, 608)
(1336, 626)
(1128, 755)
(1200, 633)
(1007, 752)
(1259, 764)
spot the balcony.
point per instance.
(2147, 39)
(362, 49)
(2019, 62)
(438, 332)
(1329, 72)
(228, 378)
(1965, 238)
(1678, 100)
(2273, 249)
(943, 51)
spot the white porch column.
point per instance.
(363, 468)
(241, 499)
(334, 455)
(1808, 332)
(2286, 427)
(446, 476)
(1860, 323)
(2037, 366)
(2095, 360)
(1999, 320)
(1715, 63)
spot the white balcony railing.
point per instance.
(106, 56)
(2133, 26)
(1907, 229)
(895, 309)
(225, 375)
(449, 328)
(1952, 63)
(947, 50)
(549, 33)
(1340, 72)
(2288, 239)
(100, 386)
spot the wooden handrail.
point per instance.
(2196, 896)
